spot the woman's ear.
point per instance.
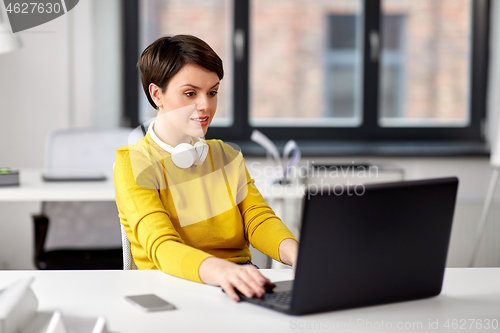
(155, 93)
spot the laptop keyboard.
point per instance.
(284, 297)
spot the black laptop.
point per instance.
(369, 245)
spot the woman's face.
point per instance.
(189, 102)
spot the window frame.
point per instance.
(369, 130)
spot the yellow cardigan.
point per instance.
(176, 218)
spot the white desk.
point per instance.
(468, 293)
(33, 188)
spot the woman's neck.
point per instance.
(170, 135)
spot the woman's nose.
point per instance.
(202, 104)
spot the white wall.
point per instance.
(66, 75)
(33, 93)
(107, 62)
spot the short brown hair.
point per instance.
(160, 61)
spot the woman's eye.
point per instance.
(213, 93)
(189, 94)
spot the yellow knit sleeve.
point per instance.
(138, 201)
(263, 228)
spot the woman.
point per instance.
(189, 206)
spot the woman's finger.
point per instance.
(229, 289)
(257, 276)
(258, 281)
(241, 283)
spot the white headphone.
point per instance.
(184, 155)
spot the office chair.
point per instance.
(128, 260)
(80, 235)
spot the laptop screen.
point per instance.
(381, 243)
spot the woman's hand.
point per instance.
(246, 278)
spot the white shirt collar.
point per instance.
(156, 139)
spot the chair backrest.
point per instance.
(84, 149)
(82, 225)
(85, 225)
(128, 260)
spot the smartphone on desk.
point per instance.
(149, 302)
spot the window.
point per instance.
(393, 73)
(357, 70)
(426, 52)
(308, 71)
(210, 20)
(343, 69)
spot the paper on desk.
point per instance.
(56, 324)
(18, 305)
(72, 324)
(12, 295)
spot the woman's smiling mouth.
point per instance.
(200, 121)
